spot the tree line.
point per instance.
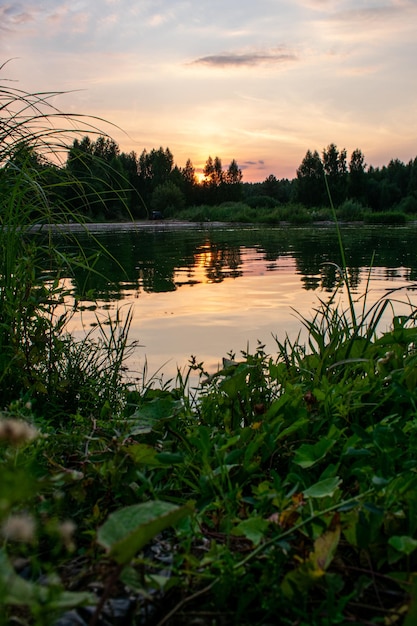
(151, 181)
(102, 182)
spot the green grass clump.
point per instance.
(242, 213)
(385, 217)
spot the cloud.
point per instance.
(13, 15)
(253, 166)
(247, 59)
(157, 19)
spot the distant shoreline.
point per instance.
(169, 224)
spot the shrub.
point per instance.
(408, 205)
(262, 202)
(167, 198)
(350, 211)
(385, 217)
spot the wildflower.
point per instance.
(19, 528)
(16, 432)
(66, 531)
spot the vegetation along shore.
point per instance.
(281, 489)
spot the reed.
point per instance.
(36, 351)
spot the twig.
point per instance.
(180, 604)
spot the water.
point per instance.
(208, 290)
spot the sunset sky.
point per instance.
(261, 82)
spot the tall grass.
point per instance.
(38, 359)
(338, 336)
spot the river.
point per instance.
(209, 290)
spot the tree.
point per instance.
(335, 168)
(214, 177)
(234, 174)
(105, 148)
(129, 164)
(189, 182)
(232, 183)
(310, 180)
(154, 169)
(188, 173)
(213, 172)
(412, 182)
(357, 178)
(98, 177)
(167, 198)
(280, 190)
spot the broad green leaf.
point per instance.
(236, 383)
(403, 544)
(323, 488)
(15, 590)
(145, 418)
(142, 454)
(310, 572)
(127, 530)
(299, 580)
(253, 528)
(325, 548)
(293, 428)
(308, 455)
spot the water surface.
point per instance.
(208, 290)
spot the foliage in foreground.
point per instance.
(289, 488)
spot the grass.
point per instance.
(283, 485)
(240, 212)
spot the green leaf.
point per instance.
(253, 528)
(147, 416)
(127, 530)
(142, 454)
(236, 383)
(325, 548)
(293, 428)
(308, 455)
(15, 590)
(403, 544)
(323, 488)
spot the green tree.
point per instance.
(189, 183)
(357, 176)
(234, 174)
(129, 164)
(412, 181)
(232, 182)
(154, 169)
(98, 177)
(167, 198)
(214, 177)
(213, 172)
(280, 190)
(310, 180)
(335, 168)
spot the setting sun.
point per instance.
(200, 177)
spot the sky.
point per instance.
(258, 81)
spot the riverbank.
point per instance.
(288, 487)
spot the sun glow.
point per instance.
(200, 177)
